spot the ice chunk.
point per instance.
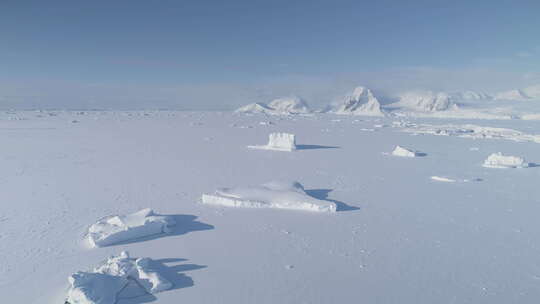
(404, 152)
(279, 142)
(282, 195)
(120, 228)
(498, 160)
(116, 278)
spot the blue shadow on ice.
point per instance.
(173, 273)
(322, 194)
(313, 147)
(184, 224)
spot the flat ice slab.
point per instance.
(281, 195)
(404, 152)
(117, 278)
(497, 160)
(279, 142)
(443, 179)
(120, 228)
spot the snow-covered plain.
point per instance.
(398, 236)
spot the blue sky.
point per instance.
(220, 54)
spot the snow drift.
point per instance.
(281, 106)
(279, 142)
(117, 278)
(119, 228)
(281, 195)
(360, 102)
(498, 160)
(404, 152)
(427, 101)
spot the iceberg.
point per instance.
(280, 195)
(119, 228)
(498, 160)
(279, 142)
(116, 278)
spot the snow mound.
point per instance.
(279, 142)
(119, 277)
(427, 101)
(281, 106)
(516, 94)
(281, 195)
(119, 228)
(360, 102)
(404, 152)
(471, 131)
(497, 160)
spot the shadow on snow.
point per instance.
(322, 194)
(173, 273)
(313, 147)
(184, 224)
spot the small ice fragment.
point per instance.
(404, 152)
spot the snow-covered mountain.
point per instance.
(470, 95)
(289, 105)
(515, 94)
(360, 102)
(532, 91)
(280, 106)
(254, 108)
(427, 101)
